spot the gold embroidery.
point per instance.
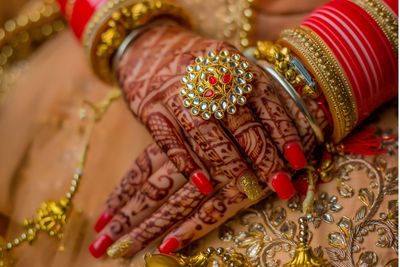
(269, 236)
(216, 257)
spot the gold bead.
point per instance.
(290, 74)
(248, 13)
(244, 42)
(246, 27)
(10, 25)
(285, 51)
(310, 92)
(299, 79)
(282, 66)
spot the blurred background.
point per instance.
(24, 26)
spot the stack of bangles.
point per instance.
(343, 57)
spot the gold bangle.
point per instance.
(287, 65)
(330, 77)
(384, 17)
(113, 22)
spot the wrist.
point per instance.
(102, 26)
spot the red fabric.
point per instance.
(362, 50)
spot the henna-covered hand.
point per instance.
(155, 196)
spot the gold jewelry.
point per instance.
(109, 26)
(320, 61)
(199, 259)
(296, 98)
(384, 17)
(120, 248)
(52, 216)
(250, 186)
(288, 66)
(304, 255)
(214, 84)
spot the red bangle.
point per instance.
(62, 4)
(81, 12)
(393, 5)
(361, 48)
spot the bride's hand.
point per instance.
(155, 195)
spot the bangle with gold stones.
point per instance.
(289, 66)
(329, 75)
(113, 22)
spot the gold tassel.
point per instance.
(304, 256)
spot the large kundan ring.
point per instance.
(214, 84)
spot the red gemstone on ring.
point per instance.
(212, 80)
(226, 78)
(209, 93)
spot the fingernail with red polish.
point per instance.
(295, 155)
(102, 221)
(169, 245)
(201, 182)
(282, 185)
(100, 245)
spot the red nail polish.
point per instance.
(102, 221)
(169, 245)
(201, 182)
(295, 155)
(100, 245)
(282, 185)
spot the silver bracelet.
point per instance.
(295, 96)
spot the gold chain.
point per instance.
(52, 216)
